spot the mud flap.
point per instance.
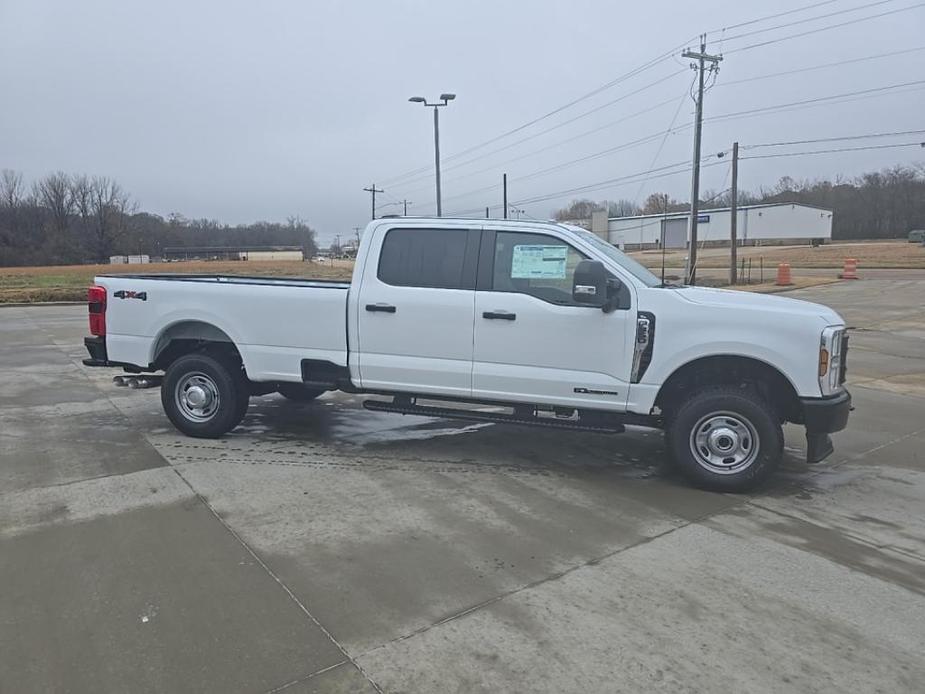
(818, 447)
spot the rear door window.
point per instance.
(435, 258)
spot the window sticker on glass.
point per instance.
(530, 262)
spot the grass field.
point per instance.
(869, 254)
(70, 282)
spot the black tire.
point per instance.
(298, 393)
(725, 438)
(244, 400)
(222, 393)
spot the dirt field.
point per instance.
(869, 254)
(70, 282)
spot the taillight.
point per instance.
(96, 303)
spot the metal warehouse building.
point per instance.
(758, 225)
(255, 253)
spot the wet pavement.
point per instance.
(326, 548)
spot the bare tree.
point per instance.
(660, 203)
(55, 194)
(12, 189)
(110, 207)
(12, 192)
(623, 208)
(577, 210)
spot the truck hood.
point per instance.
(727, 298)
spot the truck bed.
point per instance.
(239, 279)
(275, 322)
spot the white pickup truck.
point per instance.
(529, 323)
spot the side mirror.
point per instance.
(593, 286)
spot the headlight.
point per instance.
(831, 359)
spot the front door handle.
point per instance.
(382, 308)
(499, 315)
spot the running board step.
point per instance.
(500, 418)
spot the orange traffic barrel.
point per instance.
(783, 275)
(851, 269)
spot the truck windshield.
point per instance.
(636, 269)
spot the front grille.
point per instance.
(843, 366)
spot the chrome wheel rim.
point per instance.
(724, 443)
(197, 397)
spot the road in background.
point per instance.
(327, 548)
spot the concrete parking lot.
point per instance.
(324, 548)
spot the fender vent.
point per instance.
(643, 345)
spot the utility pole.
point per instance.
(405, 204)
(733, 220)
(702, 59)
(372, 189)
(487, 215)
(504, 185)
(356, 232)
(664, 224)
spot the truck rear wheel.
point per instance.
(726, 438)
(203, 396)
(297, 392)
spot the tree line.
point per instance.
(877, 205)
(64, 219)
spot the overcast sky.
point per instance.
(240, 111)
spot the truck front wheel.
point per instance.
(203, 396)
(726, 438)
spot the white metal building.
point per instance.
(129, 259)
(771, 224)
(254, 253)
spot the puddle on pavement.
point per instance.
(338, 424)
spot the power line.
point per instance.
(657, 60)
(553, 127)
(594, 92)
(563, 165)
(825, 28)
(663, 172)
(494, 167)
(806, 20)
(875, 90)
(831, 151)
(668, 169)
(661, 145)
(834, 139)
(612, 83)
(796, 105)
(772, 16)
(840, 63)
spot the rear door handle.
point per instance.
(499, 315)
(382, 308)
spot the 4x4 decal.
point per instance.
(122, 294)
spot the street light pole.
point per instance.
(445, 99)
(437, 159)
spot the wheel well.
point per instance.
(746, 372)
(193, 336)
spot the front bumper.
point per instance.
(823, 416)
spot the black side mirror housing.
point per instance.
(594, 286)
